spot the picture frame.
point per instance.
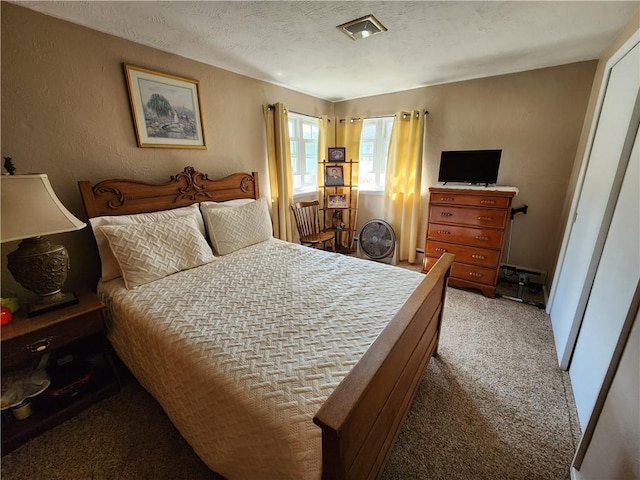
(338, 200)
(165, 108)
(336, 154)
(334, 176)
(336, 220)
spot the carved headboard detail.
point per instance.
(124, 197)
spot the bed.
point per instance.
(273, 360)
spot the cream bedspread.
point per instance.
(242, 352)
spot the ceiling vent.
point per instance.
(362, 27)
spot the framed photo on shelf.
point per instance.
(336, 220)
(333, 176)
(166, 109)
(337, 201)
(337, 154)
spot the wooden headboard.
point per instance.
(125, 197)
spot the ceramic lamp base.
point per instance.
(47, 304)
(41, 267)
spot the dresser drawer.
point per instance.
(479, 237)
(477, 217)
(32, 345)
(476, 256)
(490, 201)
(470, 273)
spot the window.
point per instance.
(374, 145)
(303, 135)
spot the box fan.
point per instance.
(377, 241)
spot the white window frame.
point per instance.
(298, 144)
(383, 127)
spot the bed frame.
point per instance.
(362, 417)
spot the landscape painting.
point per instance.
(166, 109)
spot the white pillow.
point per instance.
(229, 203)
(110, 268)
(233, 228)
(149, 251)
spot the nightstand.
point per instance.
(71, 339)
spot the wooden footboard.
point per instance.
(363, 416)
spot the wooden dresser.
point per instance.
(471, 224)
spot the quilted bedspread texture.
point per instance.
(242, 352)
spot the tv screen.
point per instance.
(469, 166)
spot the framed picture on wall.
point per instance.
(333, 176)
(165, 108)
(337, 201)
(337, 154)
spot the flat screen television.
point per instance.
(469, 166)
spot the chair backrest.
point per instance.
(306, 215)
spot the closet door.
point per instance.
(604, 172)
(614, 285)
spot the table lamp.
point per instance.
(30, 210)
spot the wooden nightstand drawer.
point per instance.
(477, 217)
(33, 344)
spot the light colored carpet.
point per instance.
(492, 405)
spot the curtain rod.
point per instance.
(272, 106)
(426, 112)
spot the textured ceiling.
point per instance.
(296, 44)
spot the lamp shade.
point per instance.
(30, 208)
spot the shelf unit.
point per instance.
(104, 383)
(79, 331)
(347, 214)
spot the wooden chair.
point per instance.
(308, 223)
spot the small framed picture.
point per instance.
(336, 154)
(336, 220)
(333, 176)
(337, 201)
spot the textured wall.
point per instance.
(65, 112)
(535, 117)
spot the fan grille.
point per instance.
(377, 239)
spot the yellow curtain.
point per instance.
(326, 139)
(402, 184)
(280, 176)
(347, 134)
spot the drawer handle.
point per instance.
(40, 345)
(488, 219)
(482, 237)
(444, 232)
(478, 257)
(488, 202)
(441, 250)
(446, 214)
(446, 199)
(475, 274)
